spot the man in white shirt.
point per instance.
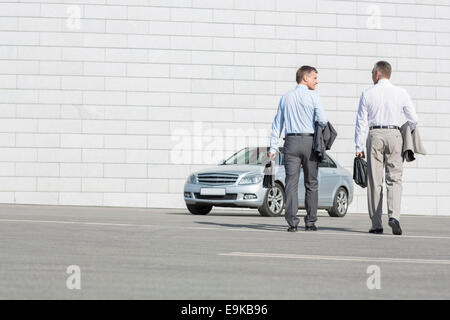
(381, 112)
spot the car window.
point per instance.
(327, 163)
(249, 155)
(261, 155)
(332, 164)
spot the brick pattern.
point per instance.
(94, 94)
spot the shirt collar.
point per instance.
(301, 86)
(384, 81)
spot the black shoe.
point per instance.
(311, 228)
(292, 229)
(395, 225)
(376, 231)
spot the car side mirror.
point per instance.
(221, 162)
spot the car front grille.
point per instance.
(215, 179)
(228, 196)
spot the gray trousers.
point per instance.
(298, 152)
(384, 156)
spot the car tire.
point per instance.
(199, 209)
(274, 202)
(340, 203)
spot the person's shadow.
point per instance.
(258, 226)
(271, 227)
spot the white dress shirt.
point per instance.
(382, 105)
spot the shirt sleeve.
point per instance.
(319, 112)
(277, 128)
(410, 111)
(361, 124)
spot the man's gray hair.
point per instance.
(384, 68)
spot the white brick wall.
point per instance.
(91, 109)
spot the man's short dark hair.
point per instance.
(384, 67)
(302, 71)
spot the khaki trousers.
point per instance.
(384, 153)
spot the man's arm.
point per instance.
(277, 128)
(361, 125)
(410, 112)
(319, 112)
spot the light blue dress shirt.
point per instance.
(297, 112)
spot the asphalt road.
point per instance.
(126, 253)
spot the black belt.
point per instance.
(299, 134)
(385, 127)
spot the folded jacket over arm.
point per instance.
(411, 143)
(323, 139)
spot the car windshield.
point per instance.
(249, 155)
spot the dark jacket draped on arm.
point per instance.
(323, 139)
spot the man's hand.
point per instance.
(360, 154)
(271, 155)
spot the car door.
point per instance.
(328, 181)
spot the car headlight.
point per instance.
(192, 179)
(251, 179)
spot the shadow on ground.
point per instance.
(272, 227)
(219, 214)
(243, 214)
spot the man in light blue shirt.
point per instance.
(298, 111)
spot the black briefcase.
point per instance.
(269, 174)
(360, 172)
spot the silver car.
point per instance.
(238, 182)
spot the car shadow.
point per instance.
(241, 214)
(272, 227)
(221, 214)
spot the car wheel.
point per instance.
(199, 209)
(340, 203)
(274, 202)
